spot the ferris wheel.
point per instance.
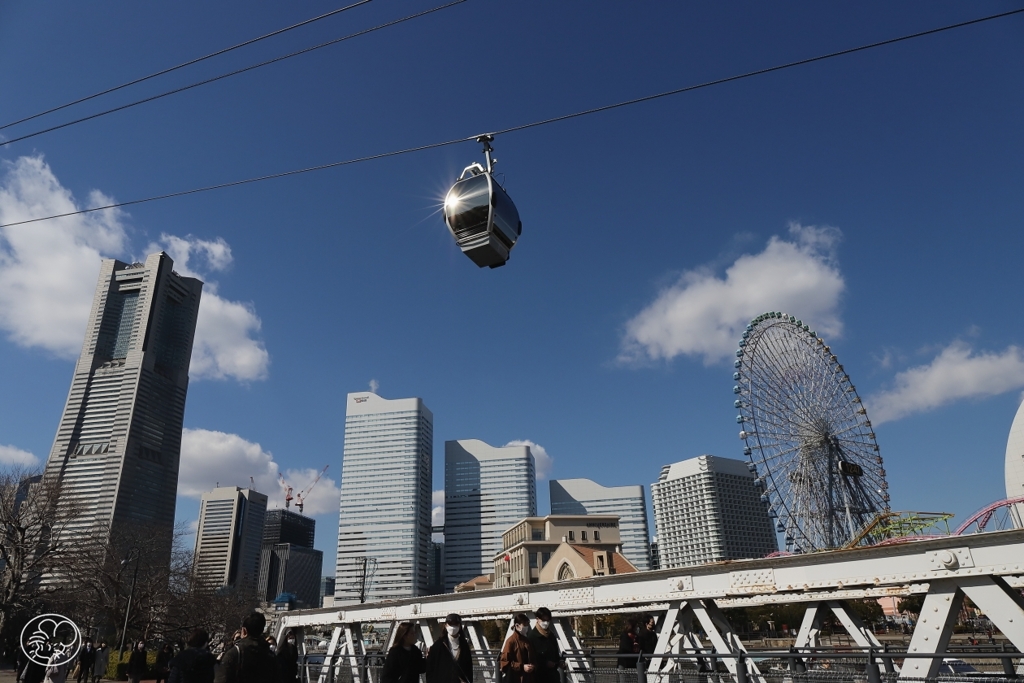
(807, 435)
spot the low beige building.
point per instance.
(560, 547)
(478, 584)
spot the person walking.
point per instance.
(249, 660)
(34, 672)
(648, 637)
(163, 662)
(55, 673)
(196, 663)
(102, 661)
(518, 658)
(629, 646)
(137, 666)
(288, 659)
(545, 644)
(404, 662)
(450, 659)
(86, 661)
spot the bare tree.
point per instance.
(33, 546)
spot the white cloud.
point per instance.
(227, 344)
(703, 315)
(542, 461)
(210, 457)
(374, 386)
(956, 373)
(48, 270)
(11, 456)
(48, 274)
(437, 508)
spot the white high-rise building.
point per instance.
(1015, 466)
(486, 491)
(707, 509)
(228, 539)
(585, 497)
(118, 444)
(384, 527)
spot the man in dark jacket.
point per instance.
(86, 661)
(450, 659)
(195, 664)
(249, 660)
(545, 644)
(288, 658)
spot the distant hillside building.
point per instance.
(559, 548)
(707, 510)
(228, 539)
(486, 490)
(586, 497)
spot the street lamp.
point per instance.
(131, 594)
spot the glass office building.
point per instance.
(585, 497)
(384, 527)
(486, 491)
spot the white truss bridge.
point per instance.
(986, 567)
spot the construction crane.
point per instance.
(287, 492)
(300, 497)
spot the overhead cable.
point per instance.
(188, 63)
(212, 79)
(525, 126)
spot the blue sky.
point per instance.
(887, 183)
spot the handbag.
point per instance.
(77, 670)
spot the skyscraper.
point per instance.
(118, 444)
(228, 539)
(384, 528)
(288, 561)
(486, 490)
(706, 510)
(585, 497)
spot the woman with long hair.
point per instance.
(518, 658)
(404, 662)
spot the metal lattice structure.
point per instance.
(807, 435)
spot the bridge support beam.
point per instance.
(725, 639)
(579, 670)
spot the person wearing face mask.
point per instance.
(404, 662)
(518, 658)
(450, 659)
(288, 659)
(137, 665)
(545, 644)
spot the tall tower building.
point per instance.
(384, 528)
(288, 561)
(228, 539)
(706, 510)
(119, 440)
(486, 491)
(585, 497)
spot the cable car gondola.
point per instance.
(480, 214)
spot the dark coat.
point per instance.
(441, 665)
(87, 659)
(193, 665)
(518, 652)
(548, 656)
(287, 662)
(137, 667)
(403, 666)
(34, 673)
(628, 644)
(648, 640)
(247, 661)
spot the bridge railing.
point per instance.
(810, 665)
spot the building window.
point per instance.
(572, 535)
(583, 535)
(597, 535)
(600, 561)
(565, 572)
